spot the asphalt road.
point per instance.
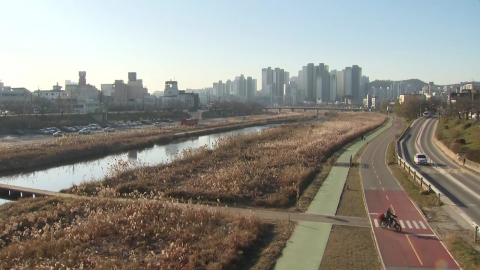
(460, 185)
(416, 247)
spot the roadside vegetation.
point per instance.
(460, 135)
(106, 234)
(459, 243)
(70, 148)
(271, 168)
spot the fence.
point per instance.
(424, 183)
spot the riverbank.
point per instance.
(65, 150)
(108, 234)
(270, 169)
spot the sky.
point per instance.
(200, 42)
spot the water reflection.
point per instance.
(61, 177)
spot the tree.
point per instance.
(384, 105)
(410, 108)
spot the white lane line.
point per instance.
(422, 225)
(408, 224)
(427, 235)
(401, 223)
(376, 222)
(415, 224)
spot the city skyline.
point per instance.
(49, 42)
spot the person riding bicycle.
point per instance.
(389, 216)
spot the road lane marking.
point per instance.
(387, 198)
(373, 213)
(413, 248)
(376, 222)
(401, 223)
(415, 224)
(421, 235)
(408, 224)
(383, 189)
(391, 206)
(422, 225)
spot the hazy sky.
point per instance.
(198, 42)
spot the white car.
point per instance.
(109, 129)
(420, 159)
(159, 124)
(84, 131)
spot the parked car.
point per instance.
(420, 159)
(159, 124)
(19, 132)
(84, 131)
(58, 134)
(109, 129)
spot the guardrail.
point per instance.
(426, 185)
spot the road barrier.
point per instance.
(426, 185)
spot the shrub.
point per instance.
(446, 127)
(467, 125)
(460, 141)
(454, 133)
(473, 155)
(456, 147)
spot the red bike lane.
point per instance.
(416, 246)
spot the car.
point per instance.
(19, 132)
(109, 129)
(420, 159)
(58, 134)
(158, 124)
(84, 131)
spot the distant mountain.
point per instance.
(418, 84)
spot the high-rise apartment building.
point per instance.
(333, 86)
(356, 76)
(82, 78)
(310, 82)
(228, 88)
(267, 81)
(340, 84)
(348, 82)
(278, 84)
(364, 86)
(250, 89)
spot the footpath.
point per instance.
(306, 246)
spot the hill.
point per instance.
(418, 84)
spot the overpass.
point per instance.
(342, 109)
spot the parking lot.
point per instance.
(46, 135)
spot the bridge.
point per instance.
(12, 193)
(342, 109)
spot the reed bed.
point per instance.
(106, 234)
(269, 168)
(74, 147)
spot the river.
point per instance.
(57, 178)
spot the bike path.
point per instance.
(417, 246)
(306, 246)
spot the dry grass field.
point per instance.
(105, 234)
(270, 168)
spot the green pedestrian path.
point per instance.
(307, 244)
